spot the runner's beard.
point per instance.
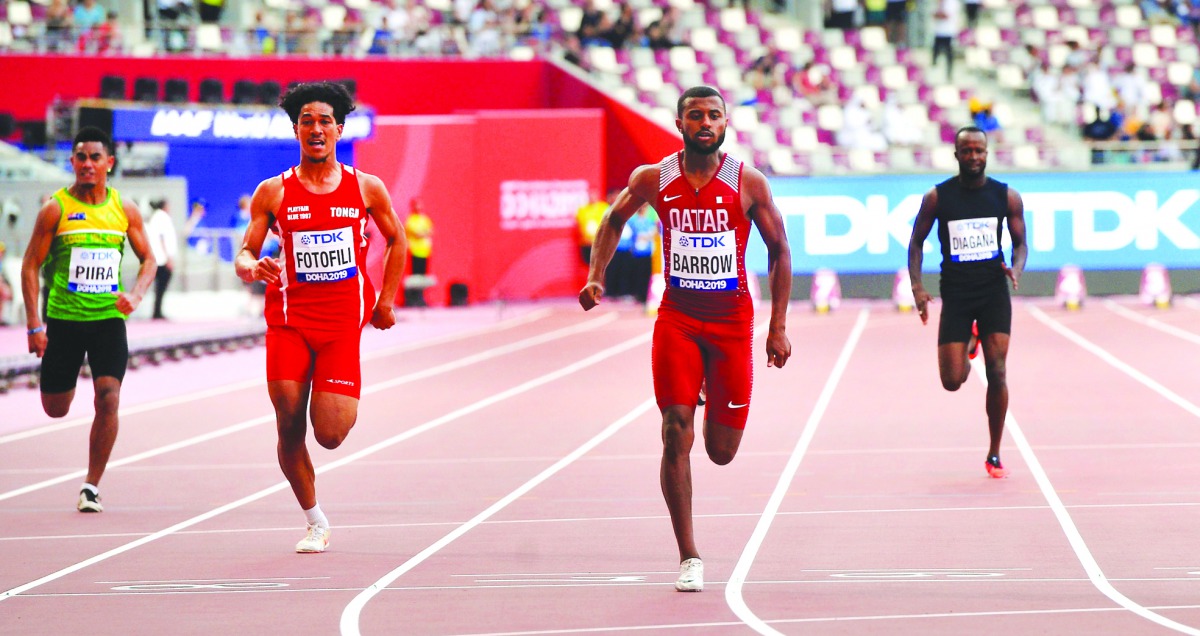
(694, 146)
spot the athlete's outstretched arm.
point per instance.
(1016, 229)
(379, 206)
(35, 254)
(128, 301)
(769, 221)
(642, 189)
(916, 251)
(267, 197)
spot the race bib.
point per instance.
(323, 257)
(704, 262)
(94, 270)
(974, 240)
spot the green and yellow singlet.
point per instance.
(84, 263)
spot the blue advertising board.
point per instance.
(1101, 220)
(221, 124)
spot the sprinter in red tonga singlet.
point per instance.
(318, 295)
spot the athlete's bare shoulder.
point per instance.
(643, 182)
(268, 195)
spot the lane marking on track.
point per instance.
(733, 591)
(692, 627)
(348, 459)
(1115, 362)
(353, 611)
(1128, 313)
(249, 384)
(1074, 537)
(374, 388)
(654, 518)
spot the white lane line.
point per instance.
(733, 591)
(249, 384)
(1128, 313)
(350, 615)
(1099, 352)
(1074, 537)
(272, 578)
(338, 463)
(374, 388)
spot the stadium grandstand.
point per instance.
(1062, 86)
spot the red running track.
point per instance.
(503, 479)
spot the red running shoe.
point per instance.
(973, 345)
(994, 469)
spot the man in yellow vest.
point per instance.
(418, 228)
(588, 219)
(80, 236)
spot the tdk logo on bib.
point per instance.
(973, 240)
(322, 257)
(704, 262)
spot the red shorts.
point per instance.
(687, 350)
(329, 358)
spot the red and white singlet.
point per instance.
(324, 283)
(704, 242)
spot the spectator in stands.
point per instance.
(174, 10)
(859, 131)
(841, 14)
(102, 38)
(898, 130)
(656, 36)
(1156, 11)
(896, 23)
(972, 7)
(946, 26)
(59, 20)
(875, 12)
(573, 51)
(531, 27)
(1097, 88)
(812, 83)
(344, 39)
(262, 35)
(592, 25)
(210, 10)
(1133, 91)
(766, 71)
(88, 14)
(985, 120)
(483, 28)
(1103, 127)
(305, 32)
(1077, 56)
(1161, 125)
(382, 41)
(623, 30)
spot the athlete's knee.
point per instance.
(56, 409)
(108, 400)
(330, 441)
(952, 383)
(678, 433)
(719, 454)
(997, 373)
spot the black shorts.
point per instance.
(991, 310)
(104, 342)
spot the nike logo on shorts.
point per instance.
(665, 199)
(737, 406)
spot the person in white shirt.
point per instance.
(946, 25)
(163, 242)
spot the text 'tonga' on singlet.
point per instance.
(323, 284)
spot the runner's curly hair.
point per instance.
(330, 93)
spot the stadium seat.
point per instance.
(145, 89)
(244, 92)
(112, 87)
(175, 91)
(208, 38)
(268, 93)
(20, 14)
(212, 91)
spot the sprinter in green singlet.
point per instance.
(80, 236)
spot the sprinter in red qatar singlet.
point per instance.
(707, 201)
(318, 295)
(323, 285)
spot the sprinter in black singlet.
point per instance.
(971, 210)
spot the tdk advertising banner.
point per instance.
(1101, 220)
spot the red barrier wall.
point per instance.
(501, 188)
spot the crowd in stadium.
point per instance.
(1034, 73)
